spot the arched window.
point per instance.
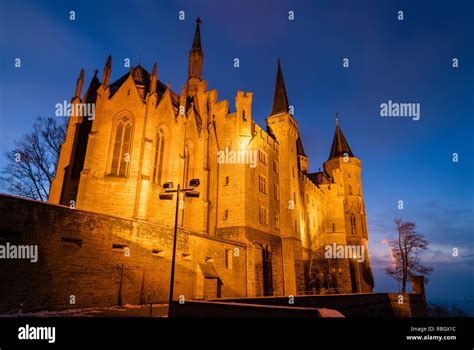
(159, 155)
(121, 147)
(187, 160)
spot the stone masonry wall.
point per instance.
(99, 260)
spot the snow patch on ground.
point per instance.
(78, 312)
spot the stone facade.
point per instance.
(144, 134)
(90, 260)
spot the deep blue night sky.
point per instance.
(402, 61)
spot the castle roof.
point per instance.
(280, 98)
(299, 147)
(141, 77)
(319, 178)
(340, 147)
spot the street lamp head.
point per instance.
(168, 185)
(194, 183)
(192, 194)
(166, 196)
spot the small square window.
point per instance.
(119, 247)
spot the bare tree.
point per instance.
(31, 164)
(405, 251)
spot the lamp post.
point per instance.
(168, 195)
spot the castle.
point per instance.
(143, 134)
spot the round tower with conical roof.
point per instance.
(345, 170)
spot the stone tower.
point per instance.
(64, 187)
(345, 169)
(282, 124)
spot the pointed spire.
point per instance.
(299, 148)
(153, 79)
(197, 35)
(280, 99)
(80, 82)
(196, 55)
(340, 147)
(107, 71)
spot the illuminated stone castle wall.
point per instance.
(144, 134)
(99, 259)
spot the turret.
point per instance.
(302, 157)
(345, 169)
(196, 86)
(80, 82)
(243, 110)
(107, 71)
(153, 79)
(283, 127)
(196, 55)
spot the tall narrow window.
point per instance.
(262, 183)
(121, 150)
(353, 225)
(276, 191)
(263, 215)
(159, 154)
(275, 167)
(187, 160)
(262, 157)
(243, 115)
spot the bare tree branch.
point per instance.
(405, 251)
(31, 164)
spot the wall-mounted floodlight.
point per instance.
(194, 183)
(168, 185)
(192, 194)
(166, 196)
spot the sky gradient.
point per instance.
(402, 61)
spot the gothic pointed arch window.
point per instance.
(159, 156)
(120, 163)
